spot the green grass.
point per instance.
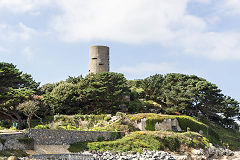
(185, 122)
(227, 137)
(138, 141)
(17, 153)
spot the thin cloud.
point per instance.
(18, 32)
(165, 22)
(23, 6)
(230, 7)
(28, 53)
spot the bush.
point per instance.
(133, 142)
(42, 127)
(186, 122)
(5, 124)
(172, 143)
(26, 140)
(17, 153)
(100, 138)
(189, 122)
(107, 118)
(78, 147)
(150, 124)
(135, 106)
(2, 140)
(115, 135)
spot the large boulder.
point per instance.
(12, 158)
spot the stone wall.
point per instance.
(166, 124)
(64, 137)
(10, 141)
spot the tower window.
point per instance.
(94, 58)
(100, 64)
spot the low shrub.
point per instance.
(2, 140)
(5, 124)
(100, 138)
(17, 153)
(26, 140)
(78, 147)
(141, 140)
(172, 142)
(115, 135)
(107, 118)
(42, 127)
(150, 124)
(189, 122)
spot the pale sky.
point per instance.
(50, 39)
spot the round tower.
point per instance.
(98, 59)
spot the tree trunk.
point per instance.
(29, 122)
(8, 115)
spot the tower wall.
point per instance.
(98, 59)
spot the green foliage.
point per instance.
(188, 94)
(100, 138)
(103, 92)
(65, 98)
(17, 153)
(152, 87)
(150, 124)
(42, 127)
(172, 143)
(139, 141)
(226, 137)
(11, 77)
(26, 140)
(15, 87)
(78, 147)
(74, 80)
(115, 135)
(185, 122)
(107, 118)
(46, 88)
(29, 108)
(132, 142)
(5, 123)
(231, 107)
(191, 123)
(2, 140)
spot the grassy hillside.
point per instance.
(122, 122)
(150, 140)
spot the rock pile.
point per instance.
(150, 155)
(212, 153)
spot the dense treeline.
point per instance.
(22, 98)
(188, 94)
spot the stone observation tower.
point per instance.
(98, 59)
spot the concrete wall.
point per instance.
(11, 142)
(60, 137)
(98, 59)
(166, 124)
